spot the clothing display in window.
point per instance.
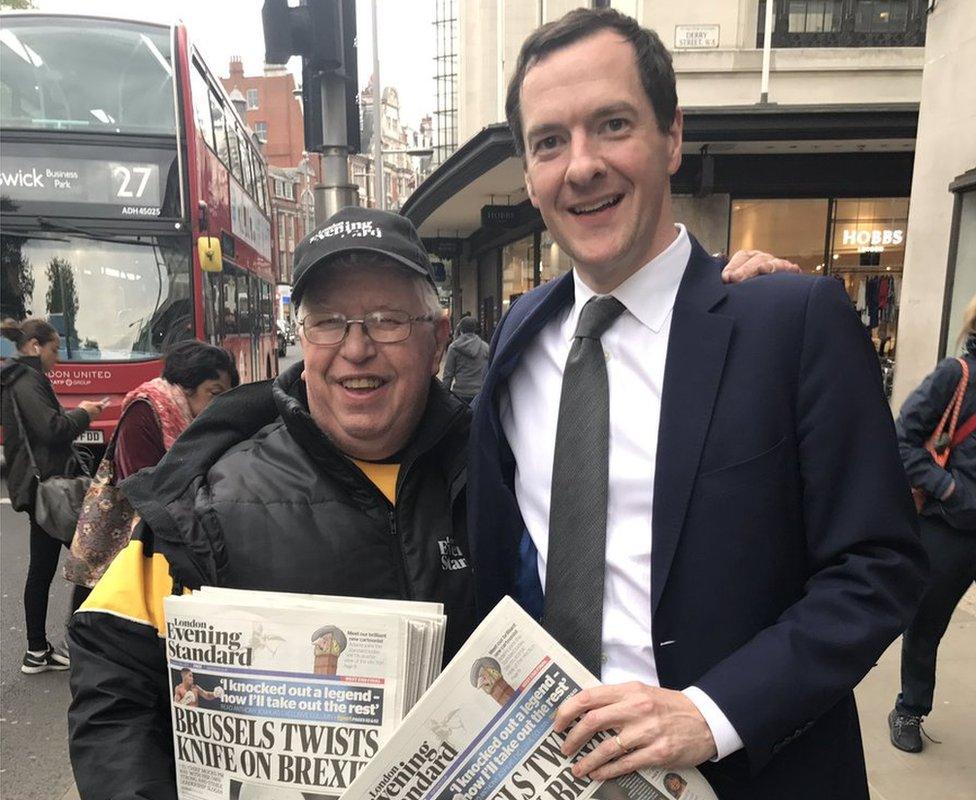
(875, 298)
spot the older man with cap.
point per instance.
(344, 476)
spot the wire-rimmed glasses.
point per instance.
(383, 327)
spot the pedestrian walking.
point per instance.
(154, 414)
(48, 431)
(467, 357)
(947, 519)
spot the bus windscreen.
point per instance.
(86, 74)
(109, 300)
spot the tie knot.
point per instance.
(597, 315)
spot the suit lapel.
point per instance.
(510, 346)
(697, 346)
(559, 294)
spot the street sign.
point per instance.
(695, 37)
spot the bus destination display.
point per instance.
(132, 189)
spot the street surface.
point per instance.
(33, 732)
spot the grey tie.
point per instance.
(575, 563)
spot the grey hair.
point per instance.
(359, 259)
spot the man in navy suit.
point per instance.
(758, 550)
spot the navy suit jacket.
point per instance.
(785, 544)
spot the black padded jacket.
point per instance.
(253, 495)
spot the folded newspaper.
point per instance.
(483, 731)
(279, 695)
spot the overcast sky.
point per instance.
(223, 28)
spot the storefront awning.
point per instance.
(485, 170)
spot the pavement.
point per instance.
(946, 770)
(33, 731)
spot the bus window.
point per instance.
(244, 321)
(267, 311)
(235, 155)
(211, 306)
(262, 185)
(246, 163)
(104, 76)
(110, 301)
(229, 314)
(201, 105)
(220, 133)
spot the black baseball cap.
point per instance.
(363, 230)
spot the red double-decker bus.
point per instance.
(120, 153)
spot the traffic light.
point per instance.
(323, 33)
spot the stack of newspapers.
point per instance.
(305, 698)
(280, 695)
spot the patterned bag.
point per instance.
(107, 519)
(105, 525)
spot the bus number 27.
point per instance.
(142, 174)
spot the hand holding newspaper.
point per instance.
(483, 731)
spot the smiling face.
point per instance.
(366, 397)
(596, 164)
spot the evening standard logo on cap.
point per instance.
(347, 228)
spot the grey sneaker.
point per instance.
(906, 731)
(50, 659)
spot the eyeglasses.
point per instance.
(383, 327)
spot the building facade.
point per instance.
(940, 256)
(273, 110)
(403, 167)
(813, 163)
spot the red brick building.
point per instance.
(273, 112)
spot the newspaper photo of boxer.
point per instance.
(187, 692)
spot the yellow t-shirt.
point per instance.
(383, 476)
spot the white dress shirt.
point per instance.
(636, 346)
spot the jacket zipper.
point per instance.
(405, 588)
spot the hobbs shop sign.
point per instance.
(878, 237)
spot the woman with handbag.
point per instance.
(38, 437)
(937, 438)
(154, 414)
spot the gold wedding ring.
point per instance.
(620, 744)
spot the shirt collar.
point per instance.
(650, 292)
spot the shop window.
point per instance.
(961, 276)
(553, 260)
(790, 228)
(858, 241)
(518, 270)
(868, 254)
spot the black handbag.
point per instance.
(57, 500)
